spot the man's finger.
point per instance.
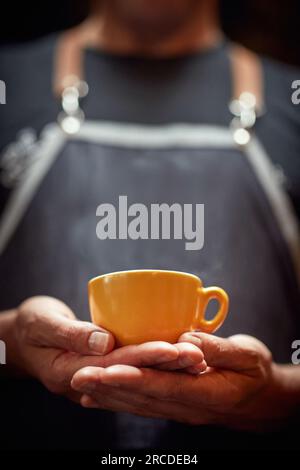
(143, 355)
(189, 356)
(56, 331)
(64, 366)
(207, 389)
(49, 322)
(106, 402)
(119, 400)
(237, 353)
(155, 383)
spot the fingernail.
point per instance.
(98, 342)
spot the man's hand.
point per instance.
(241, 388)
(48, 343)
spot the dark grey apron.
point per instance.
(51, 248)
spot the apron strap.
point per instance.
(68, 60)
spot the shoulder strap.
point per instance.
(247, 74)
(68, 61)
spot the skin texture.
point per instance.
(241, 388)
(48, 343)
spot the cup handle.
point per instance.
(210, 293)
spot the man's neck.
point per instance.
(198, 32)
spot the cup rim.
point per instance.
(134, 271)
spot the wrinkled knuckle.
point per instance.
(72, 336)
(253, 357)
(26, 325)
(216, 346)
(185, 337)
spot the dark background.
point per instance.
(266, 26)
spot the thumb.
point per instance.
(238, 353)
(48, 322)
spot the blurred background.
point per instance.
(270, 27)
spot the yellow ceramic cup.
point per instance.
(153, 305)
